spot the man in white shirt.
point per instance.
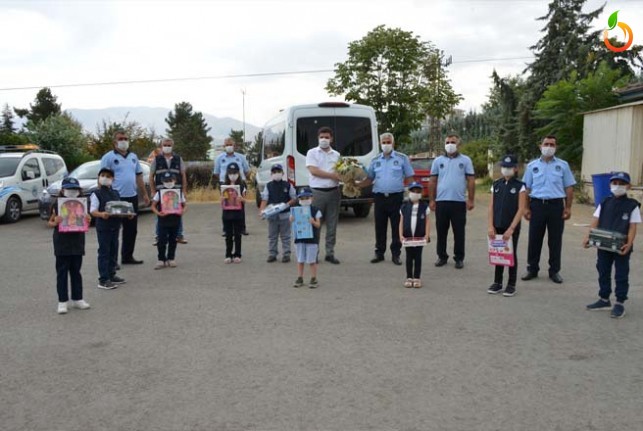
(324, 182)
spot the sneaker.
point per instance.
(285, 259)
(159, 265)
(271, 259)
(62, 308)
(227, 260)
(417, 283)
(155, 242)
(171, 263)
(81, 304)
(237, 260)
(181, 240)
(495, 288)
(618, 311)
(107, 284)
(313, 283)
(117, 280)
(299, 282)
(408, 282)
(599, 305)
(509, 291)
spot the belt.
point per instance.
(325, 189)
(548, 201)
(386, 195)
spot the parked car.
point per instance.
(87, 175)
(422, 172)
(25, 171)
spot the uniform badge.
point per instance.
(116, 162)
(626, 216)
(395, 163)
(441, 165)
(513, 191)
(558, 168)
(378, 164)
(497, 189)
(507, 159)
(133, 161)
(461, 165)
(535, 170)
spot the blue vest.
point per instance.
(104, 195)
(615, 213)
(420, 227)
(162, 168)
(278, 193)
(505, 202)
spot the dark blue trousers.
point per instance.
(387, 209)
(107, 253)
(167, 242)
(604, 262)
(545, 216)
(68, 268)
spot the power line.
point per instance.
(217, 77)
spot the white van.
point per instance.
(289, 135)
(23, 176)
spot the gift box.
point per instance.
(607, 240)
(120, 208)
(273, 209)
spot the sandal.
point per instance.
(417, 283)
(408, 282)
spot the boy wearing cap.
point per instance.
(617, 213)
(506, 208)
(307, 248)
(414, 223)
(69, 249)
(168, 223)
(107, 229)
(278, 191)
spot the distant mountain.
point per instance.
(154, 118)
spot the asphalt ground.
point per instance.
(209, 346)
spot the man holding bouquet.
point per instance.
(387, 173)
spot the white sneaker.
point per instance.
(227, 260)
(160, 264)
(80, 304)
(171, 263)
(237, 260)
(62, 308)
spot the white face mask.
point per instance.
(618, 190)
(123, 145)
(507, 172)
(415, 196)
(105, 181)
(387, 148)
(305, 202)
(548, 151)
(167, 150)
(451, 148)
(324, 143)
(69, 193)
(233, 177)
(229, 149)
(277, 177)
(169, 185)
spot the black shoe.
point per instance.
(495, 288)
(397, 260)
(223, 234)
(245, 232)
(459, 264)
(271, 259)
(285, 259)
(131, 261)
(556, 278)
(332, 259)
(440, 262)
(377, 258)
(181, 240)
(509, 291)
(529, 276)
(117, 280)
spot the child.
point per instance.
(69, 249)
(414, 223)
(506, 208)
(621, 214)
(232, 213)
(107, 228)
(278, 191)
(168, 224)
(307, 248)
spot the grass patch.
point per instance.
(211, 194)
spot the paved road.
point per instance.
(208, 346)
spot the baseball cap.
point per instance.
(623, 176)
(276, 167)
(70, 183)
(305, 192)
(168, 176)
(106, 171)
(509, 161)
(233, 167)
(415, 185)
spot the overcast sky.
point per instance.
(73, 42)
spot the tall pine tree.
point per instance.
(189, 131)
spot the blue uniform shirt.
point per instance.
(126, 168)
(452, 173)
(223, 160)
(548, 180)
(388, 173)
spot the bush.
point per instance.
(478, 151)
(199, 174)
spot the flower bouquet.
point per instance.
(350, 171)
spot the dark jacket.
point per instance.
(70, 243)
(278, 193)
(615, 213)
(506, 196)
(161, 168)
(420, 227)
(107, 194)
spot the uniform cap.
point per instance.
(168, 176)
(623, 176)
(509, 161)
(106, 171)
(70, 183)
(305, 193)
(233, 167)
(276, 167)
(415, 185)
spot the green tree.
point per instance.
(254, 150)
(62, 134)
(478, 151)
(237, 137)
(189, 131)
(43, 107)
(387, 69)
(6, 126)
(142, 141)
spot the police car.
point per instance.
(25, 171)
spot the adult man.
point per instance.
(550, 187)
(451, 176)
(387, 172)
(168, 161)
(155, 152)
(128, 175)
(221, 163)
(324, 182)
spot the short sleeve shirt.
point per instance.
(388, 173)
(223, 160)
(326, 162)
(126, 168)
(548, 180)
(635, 215)
(452, 173)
